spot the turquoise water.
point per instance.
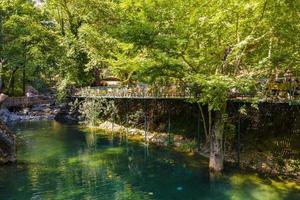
(65, 162)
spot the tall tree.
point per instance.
(85, 28)
(28, 42)
(219, 46)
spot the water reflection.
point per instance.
(65, 162)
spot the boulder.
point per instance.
(3, 97)
(38, 108)
(7, 116)
(31, 91)
(64, 115)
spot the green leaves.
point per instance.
(221, 46)
(215, 90)
(215, 46)
(94, 109)
(28, 42)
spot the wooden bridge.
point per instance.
(273, 94)
(134, 92)
(25, 101)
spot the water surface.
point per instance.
(65, 162)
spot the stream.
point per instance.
(64, 162)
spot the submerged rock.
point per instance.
(7, 145)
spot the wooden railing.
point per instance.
(133, 92)
(284, 91)
(25, 101)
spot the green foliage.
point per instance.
(188, 146)
(137, 118)
(85, 32)
(214, 48)
(217, 46)
(93, 110)
(90, 110)
(29, 47)
(64, 89)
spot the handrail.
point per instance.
(133, 92)
(25, 101)
(166, 92)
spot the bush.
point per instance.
(93, 110)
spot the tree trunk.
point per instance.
(11, 80)
(216, 156)
(12, 86)
(24, 78)
(203, 121)
(1, 74)
(24, 82)
(96, 77)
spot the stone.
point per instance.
(7, 145)
(7, 116)
(38, 108)
(3, 97)
(25, 111)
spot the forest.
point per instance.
(217, 49)
(212, 45)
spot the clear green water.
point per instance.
(64, 162)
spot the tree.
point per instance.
(29, 44)
(214, 47)
(86, 32)
(217, 46)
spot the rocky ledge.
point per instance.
(35, 113)
(7, 138)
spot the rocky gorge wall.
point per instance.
(7, 145)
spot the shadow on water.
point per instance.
(65, 162)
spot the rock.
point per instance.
(38, 108)
(14, 118)
(55, 110)
(65, 118)
(4, 112)
(63, 105)
(7, 116)
(7, 145)
(25, 111)
(132, 131)
(47, 110)
(64, 115)
(38, 112)
(3, 97)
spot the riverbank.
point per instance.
(251, 160)
(35, 113)
(91, 166)
(7, 117)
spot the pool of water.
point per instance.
(65, 162)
